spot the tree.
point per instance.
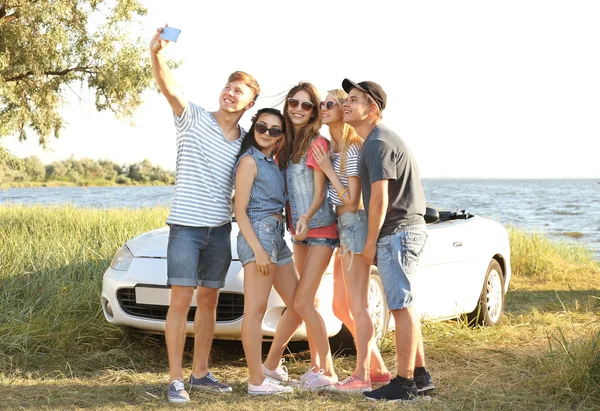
(46, 46)
(35, 169)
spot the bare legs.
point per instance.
(257, 288)
(316, 260)
(350, 305)
(204, 327)
(286, 281)
(409, 343)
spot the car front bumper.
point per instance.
(139, 298)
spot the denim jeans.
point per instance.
(397, 258)
(310, 241)
(352, 231)
(198, 256)
(270, 232)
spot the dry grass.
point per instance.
(58, 352)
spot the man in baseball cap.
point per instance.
(370, 87)
(395, 203)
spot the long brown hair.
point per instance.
(349, 135)
(297, 145)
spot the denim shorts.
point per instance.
(310, 241)
(198, 256)
(270, 232)
(352, 229)
(397, 258)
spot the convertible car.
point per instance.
(464, 272)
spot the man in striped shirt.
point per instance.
(199, 249)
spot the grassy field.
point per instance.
(58, 352)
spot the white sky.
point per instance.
(477, 89)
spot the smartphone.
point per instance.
(170, 33)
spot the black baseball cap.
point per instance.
(370, 87)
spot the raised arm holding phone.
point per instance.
(199, 247)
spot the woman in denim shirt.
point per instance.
(266, 258)
(311, 221)
(351, 275)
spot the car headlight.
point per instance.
(122, 259)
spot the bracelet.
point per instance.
(342, 194)
(305, 217)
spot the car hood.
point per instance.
(153, 244)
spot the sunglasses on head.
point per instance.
(327, 105)
(306, 105)
(262, 129)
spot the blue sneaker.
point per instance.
(209, 383)
(177, 393)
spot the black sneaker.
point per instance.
(399, 389)
(423, 381)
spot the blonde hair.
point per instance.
(349, 135)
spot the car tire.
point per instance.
(343, 340)
(491, 301)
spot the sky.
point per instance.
(477, 89)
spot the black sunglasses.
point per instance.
(327, 105)
(262, 129)
(306, 105)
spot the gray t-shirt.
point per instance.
(385, 156)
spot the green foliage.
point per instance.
(535, 256)
(51, 268)
(86, 172)
(45, 46)
(576, 361)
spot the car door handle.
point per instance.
(457, 244)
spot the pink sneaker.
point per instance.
(318, 381)
(381, 378)
(352, 385)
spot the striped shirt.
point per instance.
(204, 170)
(352, 157)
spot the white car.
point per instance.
(464, 270)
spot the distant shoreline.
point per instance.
(55, 184)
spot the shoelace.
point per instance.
(283, 367)
(311, 380)
(346, 380)
(178, 385)
(307, 375)
(211, 377)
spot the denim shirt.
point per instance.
(268, 190)
(300, 182)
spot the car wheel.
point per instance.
(378, 308)
(343, 341)
(491, 301)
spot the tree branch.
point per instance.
(88, 70)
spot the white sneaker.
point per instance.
(306, 375)
(318, 382)
(268, 387)
(279, 374)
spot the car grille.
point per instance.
(229, 308)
